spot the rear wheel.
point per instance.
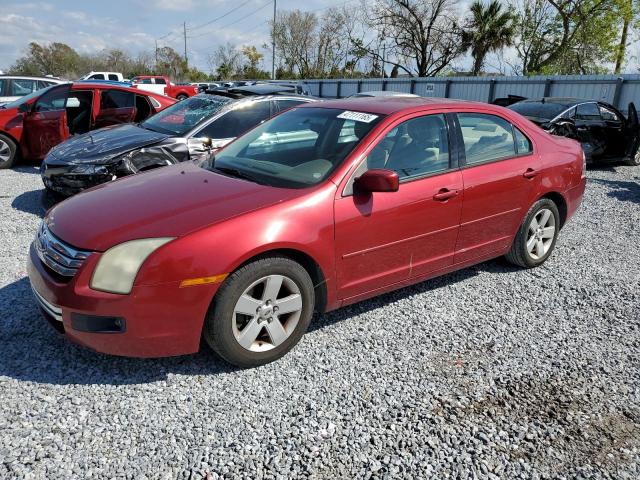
(8, 152)
(260, 312)
(536, 237)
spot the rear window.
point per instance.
(543, 110)
(116, 99)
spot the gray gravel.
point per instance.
(490, 372)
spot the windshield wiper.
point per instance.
(234, 172)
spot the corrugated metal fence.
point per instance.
(616, 90)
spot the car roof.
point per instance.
(390, 105)
(261, 89)
(383, 93)
(568, 101)
(33, 77)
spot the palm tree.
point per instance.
(489, 29)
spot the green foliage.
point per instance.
(489, 29)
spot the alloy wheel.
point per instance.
(5, 151)
(541, 232)
(267, 313)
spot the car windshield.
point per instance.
(296, 149)
(27, 98)
(541, 110)
(181, 117)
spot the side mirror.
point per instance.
(24, 108)
(377, 180)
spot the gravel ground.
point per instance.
(490, 372)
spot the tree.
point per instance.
(565, 36)
(489, 29)
(422, 37)
(309, 46)
(57, 59)
(170, 63)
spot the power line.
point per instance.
(221, 16)
(236, 21)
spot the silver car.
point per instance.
(13, 87)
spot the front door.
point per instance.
(501, 175)
(46, 124)
(385, 238)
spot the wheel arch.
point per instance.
(560, 202)
(306, 261)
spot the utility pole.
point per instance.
(273, 42)
(384, 54)
(156, 65)
(186, 59)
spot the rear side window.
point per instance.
(238, 121)
(486, 137)
(523, 144)
(588, 111)
(116, 99)
(608, 115)
(160, 81)
(3, 88)
(113, 77)
(24, 87)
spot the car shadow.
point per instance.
(622, 190)
(35, 202)
(31, 350)
(493, 266)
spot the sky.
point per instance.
(134, 25)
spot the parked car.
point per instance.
(13, 87)
(257, 89)
(382, 93)
(113, 76)
(604, 132)
(34, 124)
(163, 86)
(204, 86)
(189, 130)
(300, 88)
(319, 207)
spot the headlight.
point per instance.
(118, 266)
(89, 169)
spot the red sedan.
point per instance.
(322, 206)
(32, 125)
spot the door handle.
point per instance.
(530, 173)
(445, 194)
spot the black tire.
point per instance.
(519, 254)
(7, 143)
(219, 325)
(633, 161)
(181, 97)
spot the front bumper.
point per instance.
(161, 320)
(68, 180)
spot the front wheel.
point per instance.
(260, 312)
(181, 97)
(634, 160)
(536, 237)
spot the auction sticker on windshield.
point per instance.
(358, 116)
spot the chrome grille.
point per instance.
(57, 255)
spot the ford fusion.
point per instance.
(322, 206)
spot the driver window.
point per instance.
(414, 148)
(52, 101)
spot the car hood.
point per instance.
(166, 202)
(104, 145)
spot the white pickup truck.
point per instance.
(112, 76)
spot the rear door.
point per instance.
(116, 106)
(501, 178)
(46, 124)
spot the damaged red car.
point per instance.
(324, 205)
(32, 125)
